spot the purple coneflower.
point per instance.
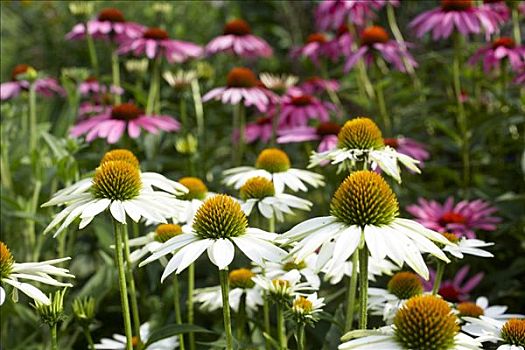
(456, 289)
(111, 124)
(375, 39)
(334, 13)
(317, 45)
(410, 147)
(460, 219)
(341, 43)
(495, 53)
(91, 86)
(260, 129)
(316, 85)
(44, 86)
(237, 38)
(497, 6)
(325, 132)
(297, 108)
(155, 42)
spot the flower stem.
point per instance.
(439, 277)
(516, 25)
(300, 337)
(241, 318)
(155, 76)
(88, 336)
(363, 286)
(225, 289)
(267, 329)
(54, 337)
(176, 304)
(115, 71)
(191, 286)
(120, 231)
(32, 118)
(352, 287)
(132, 290)
(199, 111)
(92, 52)
(281, 328)
(385, 117)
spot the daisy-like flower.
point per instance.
(259, 192)
(112, 124)
(218, 227)
(324, 132)
(306, 310)
(118, 342)
(193, 199)
(331, 14)
(44, 86)
(365, 209)
(279, 83)
(375, 40)
(242, 86)
(466, 246)
(316, 85)
(360, 140)
(409, 147)
(181, 79)
(282, 290)
(317, 45)
(298, 107)
(110, 24)
(509, 335)
(495, 53)
(241, 284)
(273, 164)
(91, 86)
(481, 308)
(461, 15)
(12, 272)
(425, 322)
(376, 267)
(260, 129)
(150, 242)
(120, 186)
(456, 289)
(289, 268)
(460, 219)
(237, 38)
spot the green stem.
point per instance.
(300, 337)
(267, 328)
(199, 111)
(385, 117)
(271, 224)
(516, 25)
(115, 71)
(241, 318)
(183, 114)
(89, 338)
(176, 304)
(439, 277)
(225, 289)
(132, 290)
(281, 328)
(32, 221)
(32, 118)
(155, 76)
(191, 287)
(352, 287)
(6, 178)
(120, 231)
(363, 286)
(54, 337)
(92, 52)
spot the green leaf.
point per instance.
(174, 329)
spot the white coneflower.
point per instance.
(465, 246)
(274, 164)
(288, 268)
(193, 199)
(118, 342)
(181, 79)
(284, 289)
(361, 141)
(306, 309)
(152, 241)
(510, 335)
(259, 191)
(376, 267)
(278, 82)
(481, 308)
(12, 272)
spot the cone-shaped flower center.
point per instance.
(6, 261)
(164, 232)
(197, 188)
(451, 218)
(392, 142)
(292, 265)
(302, 101)
(374, 35)
(220, 217)
(405, 285)
(505, 42)
(116, 180)
(426, 323)
(364, 198)
(513, 332)
(273, 160)
(328, 128)
(258, 188)
(470, 309)
(125, 111)
(19, 69)
(111, 15)
(241, 77)
(360, 133)
(91, 79)
(302, 305)
(121, 155)
(263, 120)
(155, 34)
(241, 278)
(451, 237)
(237, 27)
(316, 38)
(449, 293)
(456, 5)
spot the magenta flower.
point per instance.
(260, 129)
(410, 147)
(375, 40)
(324, 132)
(316, 45)
(316, 85)
(297, 108)
(460, 219)
(330, 14)
(88, 109)
(457, 289)
(155, 42)
(497, 6)
(237, 38)
(242, 85)
(45, 86)
(499, 50)
(111, 124)
(461, 15)
(91, 86)
(341, 44)
(109, 25)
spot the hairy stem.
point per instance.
(154, 83)
(115, 71)
(54, 337)
(132, 290)
(176, 304)
(363, 286)
(191, 287)
(300, 337)
(281, 328)
(439, 276)
(352, 287)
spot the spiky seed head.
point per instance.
(258, 188)
(360, 133)
(220, 217)
(273, 160)
(237, 27)
(451, 237)
(111, 15)
(302, 305)
(468, 308)
(405, 285)
(6, 261)
(84, 310)
(116, 180)
(241, 77)
(364, 198)
(164, 232)
(456, 5)
(513, 332)
(197, 188)
(121, 154)
(155, 34)
(241, 278)
(52, 313)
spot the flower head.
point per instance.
(510, 334)
(304, 310)
(241, 278)
(405, 285)
(197, 188)
(220, 217)
(298, 107)
(20, 81)
(118, 342)
(496, 53)
(325, 132)
(317, 45)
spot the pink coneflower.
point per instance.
(316, 45)
(88, 109)
(91, 86)
(237, 38)
(325, 132)
(156, 42)
(461, 15)
(341, 44)
(242, 85)
(456, 289)
(112, 123)
(109, 25)
(316, 85)
(375, 40)
(297, 108)
(330, 14)
(44, 86)
(410, 147)
(460, 219)
(497, 6)
(496, 52)
(261, 129)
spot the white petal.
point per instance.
(221, 253)
(117, 211)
